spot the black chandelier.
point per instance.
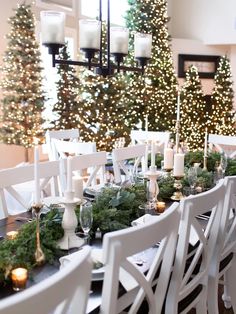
(90, 42)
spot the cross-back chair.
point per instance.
(195, 248)
(120, 158)
(223, 263)
(13, 180)
(95, 161)
(66, 291)
(119, 249)
(223, 143)
(140, 137)
(70, 135)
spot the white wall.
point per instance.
(211, 21)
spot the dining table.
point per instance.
(39, 273)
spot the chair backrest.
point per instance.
(196, 244)
(71, 134)
(62, 148)
(66, 291)
(13, 180)
(223, 143)
(120, 156)
(140, 137)
(120, 250)
(95, 161)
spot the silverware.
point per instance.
(23, 219)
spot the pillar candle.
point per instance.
(178, 165)
(69, 174)
(205, 146)
(77, 185)
(153, 154)
(36, 175)
(168, 158)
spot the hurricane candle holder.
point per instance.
(39, 255)
(69, 224)
(178, 195)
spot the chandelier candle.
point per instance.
(53, 25)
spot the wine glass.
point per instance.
(86, 218)
(192, 178)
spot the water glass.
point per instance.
(192, 178)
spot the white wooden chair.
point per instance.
(189, 280)
(120, 156)
(119, 251)
(62, 148)
(64, 292)
(71, 135)
(15, 193)
(223, 263)
(96, 161)
(161, 138)
(223, 143)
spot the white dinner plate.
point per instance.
(97, 274)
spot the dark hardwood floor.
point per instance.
(222, 309)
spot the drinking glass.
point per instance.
(192, 178)
(86, 218)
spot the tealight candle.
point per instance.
(160, 206)
(19, 278)
(11, 235)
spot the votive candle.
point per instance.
(19, 278)
(160, 206)
(11, 235)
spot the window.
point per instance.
(90, 8)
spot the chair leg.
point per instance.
(212, 296)
(229, 296)
(201, 307)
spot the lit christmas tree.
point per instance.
(223, 114)
(154, 93)
(66, 108)
(23, 99)
(194, 117)
(102, 110)
(102, 107)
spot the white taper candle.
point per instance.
(205, 145)
(36, 175)
(69, 174)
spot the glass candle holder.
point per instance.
(160, 207)
(19, 278)
(11, 235)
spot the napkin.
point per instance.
(143, 219)
(96, 255)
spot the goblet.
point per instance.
(86, 218)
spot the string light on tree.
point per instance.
(194, 116)
(66, 108)
(23, 99)
(223, 115)
(154, 93)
